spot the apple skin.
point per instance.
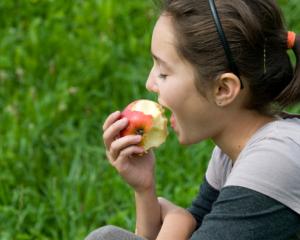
(139, 123)
(146, 118)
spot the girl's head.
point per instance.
(258, 42)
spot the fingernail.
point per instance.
(116, 113)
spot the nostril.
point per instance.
(151, 86)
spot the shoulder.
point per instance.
(277, 142)
(281, 129)
(270, 163)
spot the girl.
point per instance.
(223, 70)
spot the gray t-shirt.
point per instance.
(269, 164)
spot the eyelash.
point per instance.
(162, 76)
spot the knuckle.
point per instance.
(105, 124)
(108, 155)
(122, 168)
(123, 154)
(105, 136)
(113, 146)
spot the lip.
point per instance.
(160, 102)
(172, 118)
(173, 121)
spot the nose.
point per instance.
(151, 83)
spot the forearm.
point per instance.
(178, 224)
(148, 214)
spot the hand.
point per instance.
(131, 161)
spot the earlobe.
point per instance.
(227, 89)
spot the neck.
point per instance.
(240, 129)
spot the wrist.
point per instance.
(146, 195)
(148, 221)
(146, 190)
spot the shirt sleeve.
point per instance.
(202, 204)
(271, 166)
(244, 214)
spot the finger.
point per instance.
(118, 145)
(111, 119)
(113, 131)
(109, 157)
(121, 163)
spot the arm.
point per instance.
(136, 167)
(158, 218)
(178, 223)
(241, 213)
(186, 221)
(148, 212)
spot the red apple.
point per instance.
(146, 118)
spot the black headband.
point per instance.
(223, 39)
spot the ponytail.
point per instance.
(291, 94)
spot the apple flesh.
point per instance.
(146, 118)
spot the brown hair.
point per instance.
(258, 40)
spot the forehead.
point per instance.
(163, 39)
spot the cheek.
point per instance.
(172, 95)
(191, 127)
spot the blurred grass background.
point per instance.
(64, 66)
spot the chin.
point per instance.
(185, 140)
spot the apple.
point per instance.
(146, 118)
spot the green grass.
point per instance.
(64, 66)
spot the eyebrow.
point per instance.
(161, 61)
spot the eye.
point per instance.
(162, 76)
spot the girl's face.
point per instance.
(194, 117)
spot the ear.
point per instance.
(226, 89)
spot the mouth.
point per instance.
(173, 121)
(169, 113)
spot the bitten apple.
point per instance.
(146, 118)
